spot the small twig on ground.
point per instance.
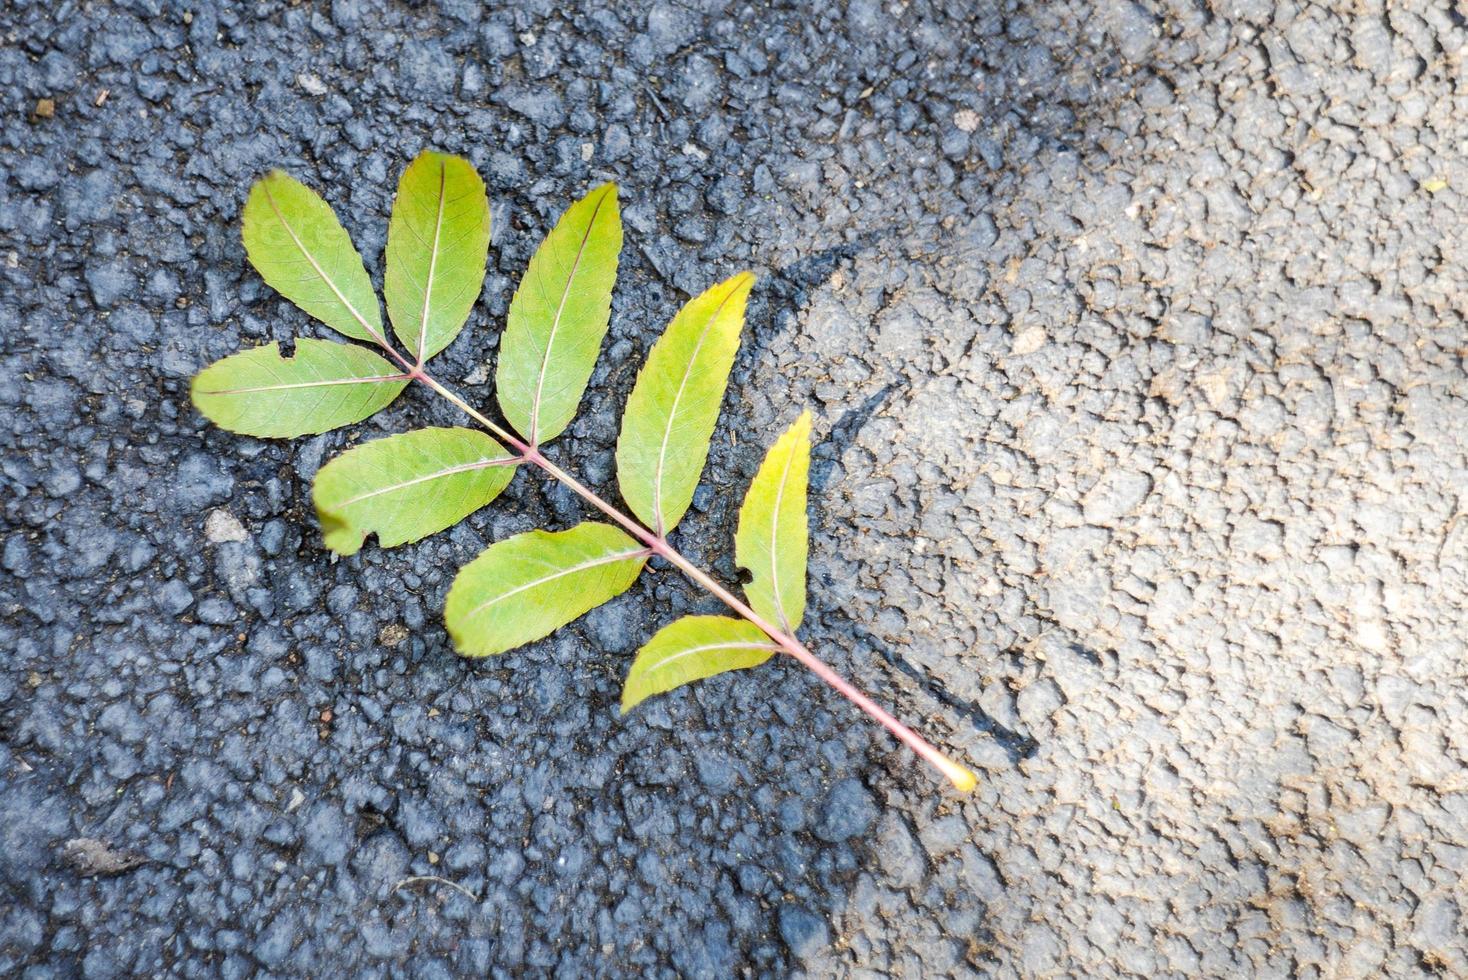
(419, 879)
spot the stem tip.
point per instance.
(962, 777)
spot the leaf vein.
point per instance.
(317, 266)
(559, 573)
(560, 309)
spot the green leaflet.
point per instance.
(772, 538)
(296, 244)
(437, 242)
(558, 318)
(404, 487)
(408, 486)
(325, 385)
(674, 405)
(525, 586)
(691, 649)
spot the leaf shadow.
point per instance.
(1017, 745)
(843, 433)
(781, 295)
(784, 294)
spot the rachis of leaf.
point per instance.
(298, 246)
(558, 318)
(773, 537)
(258, 392)
(674, 405)
(437, 242)
(408, 486)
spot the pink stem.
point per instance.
(961, 777)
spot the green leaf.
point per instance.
(296, 244)
(408, 486)
(558, 318)
(674, 405)
(525, 586)
(772, 538)
(437, 242)
(691, 649)
(259, 393)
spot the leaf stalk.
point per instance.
(960, 776)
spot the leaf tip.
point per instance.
(606, 206)
(457, 635)
(196, 395)
(428, 156)
(736, 288)
(800, 428)
(343, 543)
(271, 177)
(337, 533)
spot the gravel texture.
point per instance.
(1136, 337)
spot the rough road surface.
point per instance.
(1136, 336)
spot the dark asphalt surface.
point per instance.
(1136, 339)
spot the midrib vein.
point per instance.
(436, 474)
(381, 379)
(657, 480)
(775, 541)
(712, 646)
(317, 266)
(432, 262)
(562, 573)
(556, 323)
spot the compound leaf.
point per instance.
(771, 541)
(437, 242)
(258, 392)
(525, 586)
(691, 649)
(298, 246)
(408, 486)
(558, 318)
(674, 405)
